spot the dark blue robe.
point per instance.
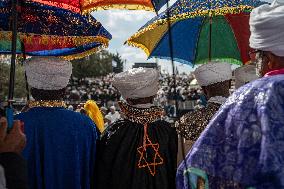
(61, 147)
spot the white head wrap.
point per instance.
(48, 73)
(137, 83)
(245, 74)
(213, 72)
(267, 28)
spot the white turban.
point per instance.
(48, 73)
(245, 74)
(267, 28)
(137, 83)
(213, 72)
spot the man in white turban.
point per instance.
(242, 147)
(61, 143)
(215, 80)
(139, 151)
(244, 75)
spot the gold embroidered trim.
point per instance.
(47, 103)
(87, 10)
(53, 39)
(140, 115)
(83, 54)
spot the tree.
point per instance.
(20, 83)
(120, 63)
(98, 64)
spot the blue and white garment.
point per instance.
(243, 145)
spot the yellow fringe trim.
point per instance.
(138, 45)
(46, 39)
(217, 12)
(117, 6)
(83, 54)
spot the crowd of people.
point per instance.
(231, 141)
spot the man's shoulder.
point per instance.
(263, 83)
(58, 114)
(193, 123)
(211, 108)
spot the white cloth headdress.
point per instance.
(245, 74)
(267, 28)
(48, 73)
(137, 83)
(213, 72)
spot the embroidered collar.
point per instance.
(47, 103)
(140, 115)
(274, 72)
(217, 99)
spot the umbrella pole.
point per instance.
(14, 47)
(210, 39)
(9, 109)
(24, 57)
(172, 57)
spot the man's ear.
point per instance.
(272, 61)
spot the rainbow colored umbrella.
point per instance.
(65, 53)
(200, 30)
(86, 6)
(45, 30)
(51, 31)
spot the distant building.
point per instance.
(147, 65)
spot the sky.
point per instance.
(122, 24)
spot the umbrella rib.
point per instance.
(197, 41)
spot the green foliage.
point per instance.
(120, 62)
(20, 83)
(98, 64)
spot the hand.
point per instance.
(15, 140)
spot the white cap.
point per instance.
(48, 73)
(213, 72)
(245, 74)
(137, 83)
(267, 28)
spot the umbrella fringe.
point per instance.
(228, 60)
(138, 45)
(83, 54)
(217, 12)
(175, 59)
(45, 39)
(91, 8)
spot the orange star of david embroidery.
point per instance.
(142, 150)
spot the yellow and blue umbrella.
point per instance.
(198, 28)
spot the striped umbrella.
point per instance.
(201, 30)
